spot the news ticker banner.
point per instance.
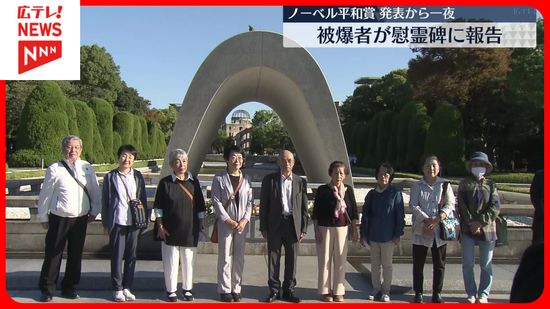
(40, 40)
(410, 27)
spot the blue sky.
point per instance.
(159, 49)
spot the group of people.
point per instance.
(71, 197)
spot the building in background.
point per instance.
(239, 129)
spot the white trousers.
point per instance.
(171, 258)
(230, 270)
(332, 252)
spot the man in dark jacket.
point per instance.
(283, 222)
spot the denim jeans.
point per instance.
(468, 262)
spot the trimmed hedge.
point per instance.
(145, 151)
(43, 124)
(116, 144)
(137, 132)
(25, 158)
(123, 124)
(405, 115)
(391, 147)
(383, 137)
(158, 143)
(71, 114)
(98, 155)
(104, 119)
(445, 138)
(418, 127)
(86, 122)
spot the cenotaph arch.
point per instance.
(255, 67)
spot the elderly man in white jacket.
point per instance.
(69, 199)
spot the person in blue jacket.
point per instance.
(120, 186)
(382, 224)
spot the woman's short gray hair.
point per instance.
(175, 154)
(69, 138)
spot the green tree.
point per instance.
(104, 122)
(445, 138)
(128, 99)
(44, 122)
(518, 132)
(390, 92)
(99, 75)
(221, 141)
(268, 132)
(455, 75)
(166, 118)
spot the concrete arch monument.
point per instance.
(254, 66)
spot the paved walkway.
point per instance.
(22, 276)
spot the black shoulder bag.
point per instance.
(139, 215)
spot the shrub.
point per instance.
(85, 120)
(44, 122)
(123, 124)
(99, 154)
(158, 143)
(116, 144)
(391, 150)
(71, 115)
(405, 115)
(104, 119)
(445, 138)
(25, 158)
(383, 135)
(418, 127)
(145, 150)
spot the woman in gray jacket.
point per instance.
(431, 201)
(232, 200)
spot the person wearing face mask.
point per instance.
(333, 210)
(478, 206)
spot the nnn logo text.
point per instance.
(33, 54)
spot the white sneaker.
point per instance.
(385, 298)
(483, 300)
(370, 297)
(118, 296)
(471, 299)
(129, 296)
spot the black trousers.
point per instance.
(63, 230)
(438, 260)
(123, 241)
(284, 236)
